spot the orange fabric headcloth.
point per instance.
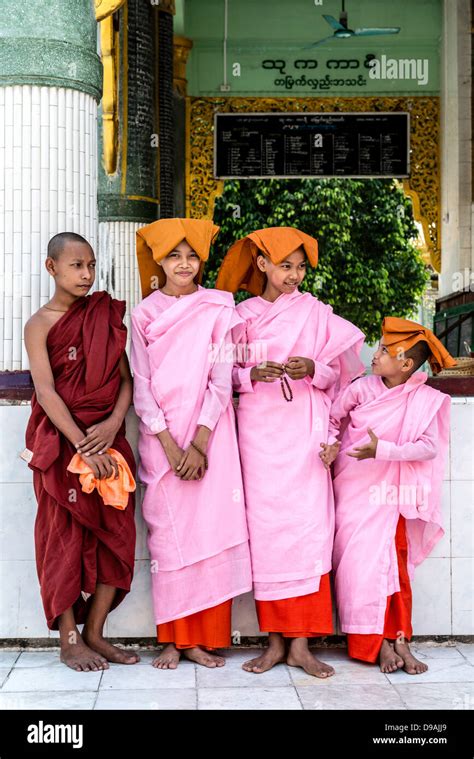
(404, 334)
(239, 269)
(156, 240)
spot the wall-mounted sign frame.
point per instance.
(302, 145)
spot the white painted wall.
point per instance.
(442, 589)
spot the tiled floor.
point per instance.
(38, 680)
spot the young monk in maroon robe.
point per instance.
(83, 388)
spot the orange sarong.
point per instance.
(308, 616)
(397, 613)
(209, 628)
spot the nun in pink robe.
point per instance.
(288, 491)
(198, 538)
(376, 498)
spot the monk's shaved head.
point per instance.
(419, 353)
(57, 243)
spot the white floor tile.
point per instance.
(39, 659)
(467, 650)
(232, 674)
(8, 658)
(431, 696)
(349, 671)
(135, 677)
(330, 695)
(426, 652)
(51, 678)
(440, 671)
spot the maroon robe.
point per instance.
(79, 540)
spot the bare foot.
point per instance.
(111, 653)
(389, 660)
(168, 659)
(201, 656)
(274, 654)
(411, 665)
(299, 655)
(80, 657)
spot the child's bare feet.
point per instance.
(411, 665)
(299, 655)
(168, 659)
(274, 654)
(81, 658)
(389, 660)
(201, 656)
(111, 653)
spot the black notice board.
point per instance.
(261, 145)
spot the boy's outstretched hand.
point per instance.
(329, 453)
(298, 367)
(366, 451)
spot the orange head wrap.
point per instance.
(156, 240)
(239, 270)
(403, 334)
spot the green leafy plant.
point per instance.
(369, 266)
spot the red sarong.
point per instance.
(209, 628)
(79, 540)
(397, 614)
(308, 616)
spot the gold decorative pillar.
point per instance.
(181, 48)
(105, 8)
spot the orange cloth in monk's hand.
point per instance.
(397, 612)
(402, 334)
(308, 616)
(209, 628)
(113, 491)
(239, 269)
(156, 240)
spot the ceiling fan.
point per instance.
(342, 30)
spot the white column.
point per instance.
(48, 184)
(457, 262)
(117, 270)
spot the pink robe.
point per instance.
(412, 424)
(198, 537)
(288, 492)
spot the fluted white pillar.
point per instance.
(48, 184)
(117, 270)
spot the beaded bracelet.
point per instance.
(196, 447)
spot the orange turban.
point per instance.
(239, 270)
(156, 240)
(401, 333)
